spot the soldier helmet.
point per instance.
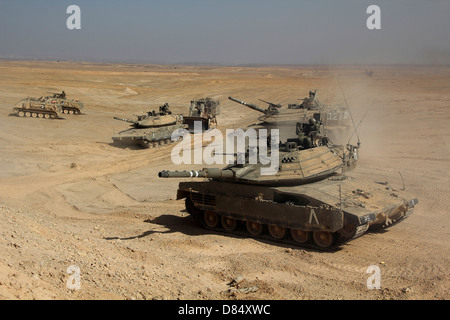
(312, 121)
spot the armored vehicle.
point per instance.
(30, 107)
(67, 106)
(152, 129)
(203, 111)
(336, 119)
(312, 200)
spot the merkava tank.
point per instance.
(336, 119)
(36, 108)
(203, 111)
(68, 106)
(311, 201)
(150, 130)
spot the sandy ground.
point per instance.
(68, 197)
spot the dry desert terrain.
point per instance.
(69, 197)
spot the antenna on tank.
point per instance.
(403, 182)
(360, 122)
(349, 111)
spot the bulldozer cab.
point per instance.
(207, 108)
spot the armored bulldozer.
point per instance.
(203, 111)
(150, 130)
(30, 107)
(311, 201)
(67, 106)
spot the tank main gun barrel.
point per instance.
(126, 120)
(204, 173)
(271, 104)
(251, 106)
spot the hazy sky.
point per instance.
(228, 31)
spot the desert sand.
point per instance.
(69, 197)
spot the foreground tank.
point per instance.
(30, 107)
(308, 202)
(150, 130)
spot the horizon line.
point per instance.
(216, 64)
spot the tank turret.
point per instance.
(294, 166)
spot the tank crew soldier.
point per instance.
(163, 110)
(302, 129)
(314, 132)
(309, 133)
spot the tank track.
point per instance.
(47, 114)
(199, 215)
(70, 110)
(147, 144)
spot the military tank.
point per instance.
(312, 201)
(68, 106)
(150, 130)
(31, 107)
(336, 119)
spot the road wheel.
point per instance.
(349, 230)
(323, 239)
(300, 236)
(277, 232)
(254, 228)
(228, 223)
(211, 219)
